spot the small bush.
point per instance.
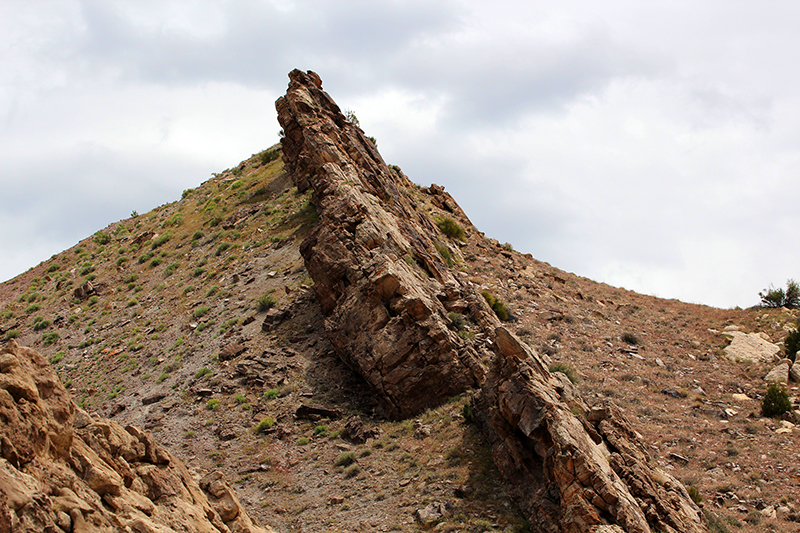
(266, 302)
(450, 228)
(445, 253)
(212, 291)
(223, 246)
(302, 441)
(630, 338)
(212, 404)
(321, 430)
(458, 320)
(790, 298)
(161, 240)
(101, 238)
(791, 344)
(776, 401)
(39, 325)
(201, 311)
(352, 471)
(12, 334)
(264, 425)
(57, 357)
(203, 372)
(268, 156)
(345, 459)
(240, 398)
(50, 338)
(566, 370)
(467, 414)
(497, 305)
(271, 394)
(32, 308)
(171, 269)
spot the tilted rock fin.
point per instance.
(383, 286)
(386, 292)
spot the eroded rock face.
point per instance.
(386, 293)
(63, 470)
(381, 282)
(572, 468)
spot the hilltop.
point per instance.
(206, 321)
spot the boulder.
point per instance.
(779, 374)
(749, 347)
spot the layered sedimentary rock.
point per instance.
(383, 286)
(572, 468)
(386, 293)
(63, 470)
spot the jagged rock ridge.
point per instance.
(383, 286)
(63, 470)
(386, 293)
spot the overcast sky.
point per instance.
(653, 145)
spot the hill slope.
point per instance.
(200, 322)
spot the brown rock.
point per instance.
(376, 271)
(567, 472)
(91, 474)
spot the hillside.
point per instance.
(201, 321)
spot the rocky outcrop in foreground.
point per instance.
(386, 293)
(63, 470)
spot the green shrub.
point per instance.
(445, 253)
(302, 441)
(497, 305)
(39, 325)
(566, 370)
(201, 311)
(264, 425)
(271, 394)
(457, 319)
(50, 338)
(776, 401)
(162, 377)
(240, 398)
(790, 298)
(268, 156)
(32, 308)
(93, 300)
(694, 494)
(266, 302)
(101, 238)
(321, 430)
(212, 404)
(12, 334)
(57, 357)
(171, 268)
(161, 240)
(223, 246)
(450, 228)
(203, 372)
(352, 471)
(155, 262)
(791, 344)
(345, 459)
(467, 414)
(197, 272)
(212, 291)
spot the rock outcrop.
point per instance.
(572, 468)
(64, 470)
(386, 294)
(753, 347)
(382, 284)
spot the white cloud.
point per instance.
(650, 145)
